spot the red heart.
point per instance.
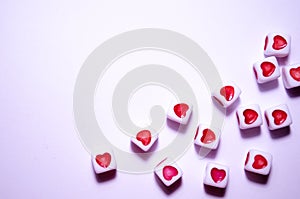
(260, 162)
(268, 68)
(208, 136)
(197, 131)
(227, 92)
(295, 73)
(247, 158)
(217, 174)
(169, 172)
(144, 136)
(103, 160)
(181, 109)
(279, 116)
(250, 116)
(279, 42)
(266, 42)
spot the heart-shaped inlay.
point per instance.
(181, 109)
(295, 73)
(208, 136)
(279, 116)
(169, 172)
(103, 159)
(217, 175)
(144, 136)
(247, 158)
(250, 116)
(279, 42)
(268, 68)
(227, 92)
(260, 162)
(266, 42)
(197, 131)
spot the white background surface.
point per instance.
(43, 45)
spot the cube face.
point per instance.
(258, 162)
(277, 44)
(249, 116)
(180, 112)
(216, 175)
(226, 95)
(278, 117)
(291, 76)
(207, 136)
(168, 174)
(104, 162)
(144, 139)
(266, 70)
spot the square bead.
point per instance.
(104, 162)
(277, 44)
(180, 112)
(249, 116)
(291, 76)
(258, 162)
(207, 136)
(144, 139)
(278, 117)
(216, 175)
(226, 95)
(168, 173)
(266, 70)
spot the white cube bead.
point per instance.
(216, 175)
(277, 44)
(291, 76)
(207, 136)
(249, 116)
(278, 117)
(180, 112)
(144, 139)
(266, 70)
(258, 162)
(226, 95)
(168, 173)
(104, 161)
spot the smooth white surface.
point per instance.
(43, 45)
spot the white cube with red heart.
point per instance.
(168, 173)
(278, 117)
(104, 162)
(291, 76)
(226, 95)
(180, 112)
(266, 70)
(216, 175)
(249, 116)
(207, 136)
(277, 44)
(258, 162)
(144, 139)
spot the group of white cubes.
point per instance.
(277, 45)
(259, 162)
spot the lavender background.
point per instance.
(42, 47)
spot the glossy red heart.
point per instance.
(279, 42)
(260, 162)
(268, 68)
(181, 109)
(169, 172)
(103, 159)
(208, 136)
(247, 158)
(266, 42)
(227, 92)
(250, 116)
(144, 136)
(279, 116)
(295, 73)
(217, 175)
